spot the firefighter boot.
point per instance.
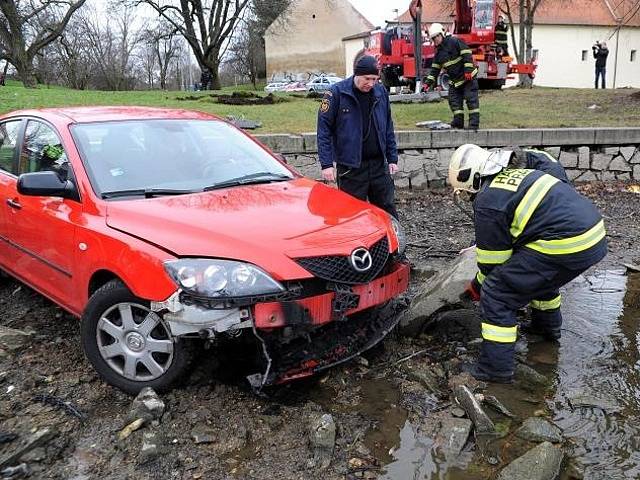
(458, 121)
(474, 119)
(477, 372)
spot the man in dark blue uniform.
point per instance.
(355, 131)
(534, 234)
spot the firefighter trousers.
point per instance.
(526, 278)
(467, 92)
(371, 181)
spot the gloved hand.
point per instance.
(470, 293)
(467, 76)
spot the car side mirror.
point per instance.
(46, 184)
(281, 157)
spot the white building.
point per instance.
(563, 34)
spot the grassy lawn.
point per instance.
(510, 108)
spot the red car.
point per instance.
(164, 228)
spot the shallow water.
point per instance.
(594, 399)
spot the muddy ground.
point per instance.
(249, 437)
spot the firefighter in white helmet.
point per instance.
(454, 56)
(534, 233)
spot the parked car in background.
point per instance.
(322, 83)
(295, 87)
(275, 87)
(164, 229)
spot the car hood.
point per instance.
(263, 224)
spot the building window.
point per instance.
(633, 55)
(534, 54)
(584, 55)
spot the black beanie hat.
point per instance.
(366, 65)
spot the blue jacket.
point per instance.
(340, 126)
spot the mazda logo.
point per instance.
(361, 259)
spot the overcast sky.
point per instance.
(377, 11)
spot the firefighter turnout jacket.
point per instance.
(454, 56)
(528, 209)
(543, 161)
(501, 36)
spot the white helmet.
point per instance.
(436, 29)
(469, 163)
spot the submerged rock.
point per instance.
(528, 377)
(542, 462)
(537, 429)
(453, 435)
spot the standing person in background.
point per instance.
(501, 33)
(355, 131)
(600, 53)
(454, 56)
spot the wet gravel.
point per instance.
(50, 384)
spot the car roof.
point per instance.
(110, 113)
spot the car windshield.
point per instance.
(168, 157)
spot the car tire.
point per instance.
(130, 346)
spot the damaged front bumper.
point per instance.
(300, 336)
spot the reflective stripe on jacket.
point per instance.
(454, 56)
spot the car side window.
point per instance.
(8, 142)
(42, 150)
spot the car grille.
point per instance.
(338, 268)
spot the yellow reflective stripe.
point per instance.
(468, 64)
(552, 304)
(475, 110)
(480, 277)
(499, 334)
(458, 112)
(436, 65)
(457, 84)
(493, 257)
(569, 245)
(430, 77)
(547, 154)
(475, 71)
(501, 42)
(462, 52)
(530, 202)
(452, 62)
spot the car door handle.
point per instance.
(14, 204)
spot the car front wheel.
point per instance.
(130, 346)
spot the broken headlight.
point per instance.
(401, 237)
(221, 278)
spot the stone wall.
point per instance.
(586, 153)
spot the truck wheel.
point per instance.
(130, 346)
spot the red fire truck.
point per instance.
(405, 54)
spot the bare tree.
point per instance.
(113, 48)
(28, 27)
(163, 42)
(206, 25)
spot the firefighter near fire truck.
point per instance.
(454, 56)
(534, 234)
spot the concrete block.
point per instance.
(518, 137)
(407, 139)
(478, 137)
(567, 136)
(623, 176)
(553, 151)
(617, 136)
(600, 161)
(583, 158)
(636, 157)
(448, 138)
(627, 152)
(636, 172)
(587, 176)
(573, 174)
(611, 150)
(310, 141)
(419, 180)
(282, 142)
(618, 164)
(409, 164)
(568, 159)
